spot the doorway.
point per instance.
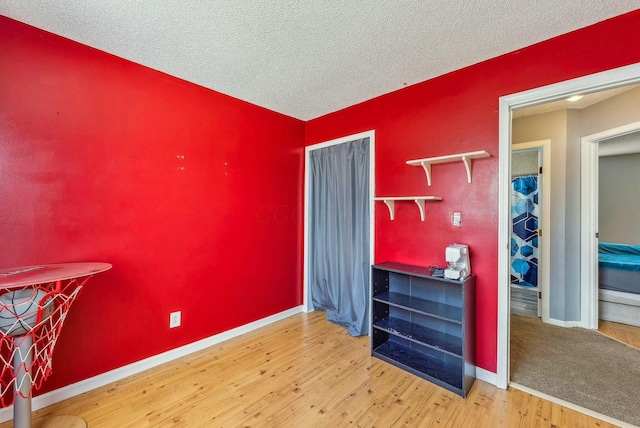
(590, 224)
(338, 242)
(564, 123)
(530, 216)
(600, 81)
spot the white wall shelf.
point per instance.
(464, 157)
(419, 200)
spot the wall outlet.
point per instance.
(174, 319)
(456, 219)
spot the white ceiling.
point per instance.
(307, 58)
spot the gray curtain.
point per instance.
(339, 234)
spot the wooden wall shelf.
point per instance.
(464, 157)
(419, 200)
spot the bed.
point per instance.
(619, 282)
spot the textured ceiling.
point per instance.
(309, 58)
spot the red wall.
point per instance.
(89, 147)
(454, 113)
(90, 171)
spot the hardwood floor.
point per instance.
(301, 372)
(621, 332)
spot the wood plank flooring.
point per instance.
(301, 372)
(621, 332)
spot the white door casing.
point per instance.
(589, 179)
(600, 81)
(544, 255)
(306, 301)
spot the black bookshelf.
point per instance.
(425, 324)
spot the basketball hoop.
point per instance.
(34, 302)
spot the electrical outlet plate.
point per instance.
(174, 319)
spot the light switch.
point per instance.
(456, 219)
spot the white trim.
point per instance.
(588, 229)
(600, 81)
(544, 271)
(504, 244)
(629, 75)
(485, 376)
(306, 300)
(589, 179)
(575, 407)
(61, 394)
(566, 324)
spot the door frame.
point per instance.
(589, 183)
(544, 256)
(307, 305)
(609, 79)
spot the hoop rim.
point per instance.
(47, 273)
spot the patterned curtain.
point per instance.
(524, 236)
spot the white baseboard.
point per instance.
(567, 324)
(52, 397)
(486, 376)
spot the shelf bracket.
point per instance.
(419, 201)
(427, 170)
(467, 164)
(421, 206)
(390, 203)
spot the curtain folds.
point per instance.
(339, 234)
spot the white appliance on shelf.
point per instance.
(457, 256)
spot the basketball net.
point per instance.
(31, 318)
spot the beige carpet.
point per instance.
(580, 366)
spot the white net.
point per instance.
(31, 318)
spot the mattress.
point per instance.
(619, 267)
(619, 256)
